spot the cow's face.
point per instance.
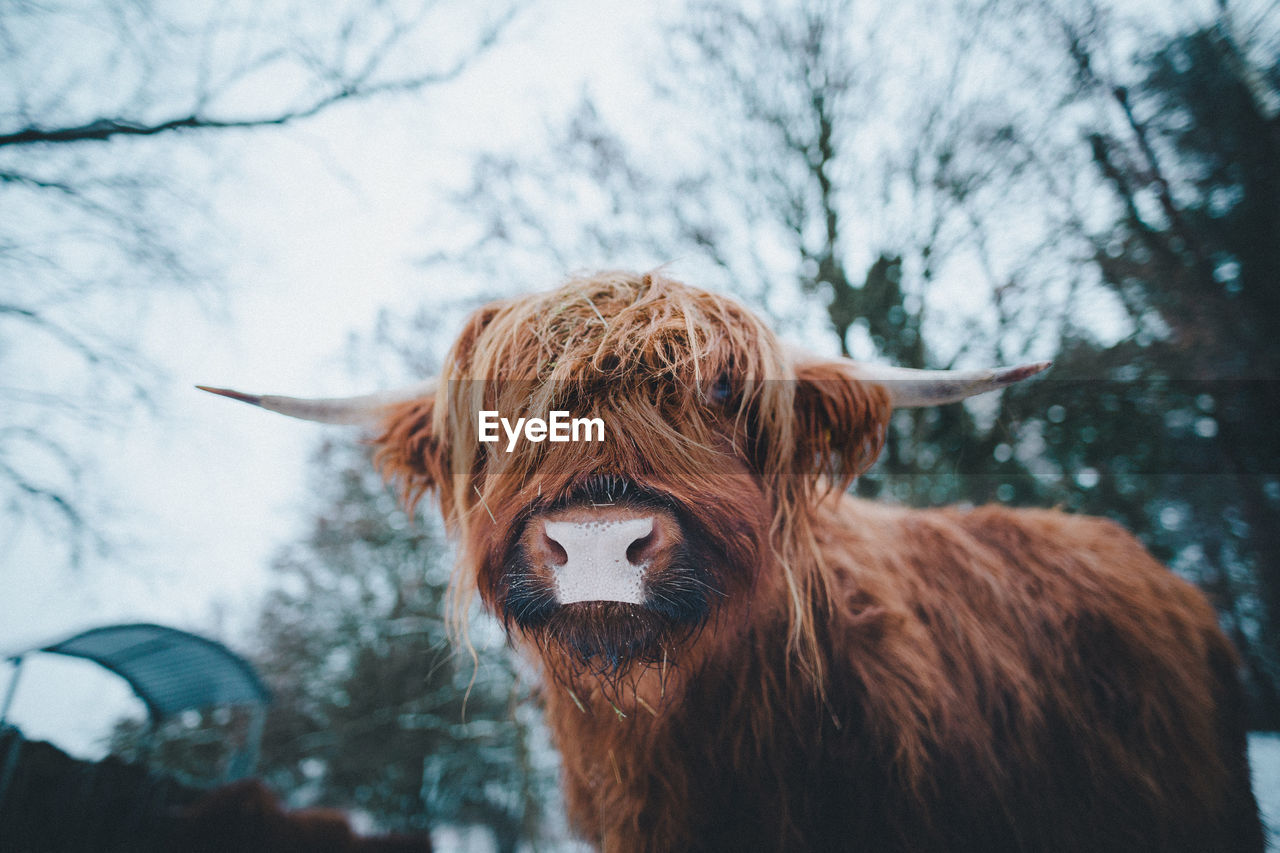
(613, 555)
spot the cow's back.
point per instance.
(1035, 680)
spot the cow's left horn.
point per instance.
(910, 388)
(356, 411)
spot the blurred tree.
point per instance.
(194, 747)
(1180, 442)
(103, 188)
(372, 709)
(373, 706)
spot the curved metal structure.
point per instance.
(170, 671)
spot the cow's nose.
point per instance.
(602, 541)
(600, 560)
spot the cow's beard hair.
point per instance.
(613, 641)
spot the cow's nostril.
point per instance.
(635, 551)
(555, 554)
(644, 548)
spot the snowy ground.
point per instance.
(1264, 755)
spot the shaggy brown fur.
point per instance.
(832, 674)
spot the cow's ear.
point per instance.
(410, 453)
(840, 421)
(413, 451)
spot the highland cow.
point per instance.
(738, 655)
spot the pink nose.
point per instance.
(637, 540)
(599, 559)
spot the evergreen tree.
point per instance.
(1179, 435)
(373, 709)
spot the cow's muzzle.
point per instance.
(593, 552)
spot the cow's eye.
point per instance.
(722, 390)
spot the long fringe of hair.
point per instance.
(678, 345)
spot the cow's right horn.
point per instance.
(355, 411)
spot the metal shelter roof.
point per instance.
(170, 670)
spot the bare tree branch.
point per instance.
(358, 87)
(90, 228)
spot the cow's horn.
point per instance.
(910, 388)
(356, 411)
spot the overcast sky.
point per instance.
(322, 224)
